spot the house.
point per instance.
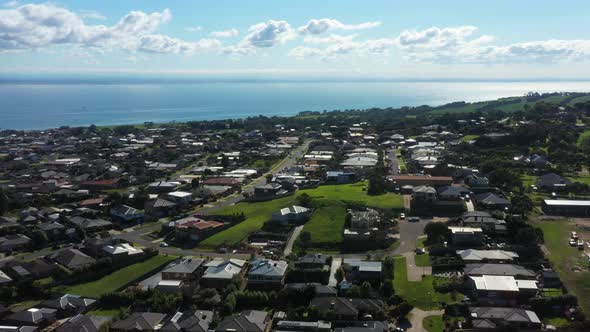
(565, 207)
(79, 323)
(69, 305)
(189, 321)
(269, 191)
(139, 321)
(506, 319)
(162, 187)
(499, 290)
(127, 214)
(552, 182)
(266, 273)
(424, 194)
(195, 229)
(121, 251)
(91, 225)
(9, 225)
(340, 309)
(73, 259)
(314, 262)
(491, 256)
(219, 273)
(186, 269)
(14, 242)
(364, 225)
(483, 220)
(53, 230)
(299, 326)
(38, 317)
(359, 270)
(364, 326)
(291, 215)
(181, 198)
(421, 180)
(340, 177)
(4, 279)
(245, 321)
(358, 165)
(466, 235)
(475, 181)
(6, 328)
(494, 269)
(160, 208)
(491, 201)
(451, 193)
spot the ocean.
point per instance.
(41, 106)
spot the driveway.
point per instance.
(292, 238)
(336, 263)
(393, 162)
(415, 272)
(408, 233)
(416, 317)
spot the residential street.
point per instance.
(393, 162)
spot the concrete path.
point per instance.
(415, 273)
(292, 238)
(416, 317)
(470, 207)
(336, 263)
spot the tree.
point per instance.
(376, 185)
(354, 291)
(39, 238)
(268, 177)
(194, 183)
(3, 202)
(366, 289)
(304, 200)
(436, 232)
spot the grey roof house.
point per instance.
(266, 273)
(245, 321)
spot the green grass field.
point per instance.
(582, 99)
(257, 213)
(326, 225)
(565, 258)
(420, 294)
(424, 259)
(468, 138)
(433, 324)
(119, 279)
(583, 136)
(580, 178)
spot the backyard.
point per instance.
(326, 225)
(420, 294)
(433, 324)
(119, 279)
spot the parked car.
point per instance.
(164, 244)
(414, 219)
(402, 216)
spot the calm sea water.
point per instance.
(39, 106)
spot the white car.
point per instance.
(164, 244)
(402, 216)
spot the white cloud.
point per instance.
(34, 26)
(302, 52)
(194, 29)
(269, 33)
(225, 33)
(319, 26)
(91, 15)
(331, 39)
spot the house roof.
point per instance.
(314, 259)
(515, 315)
(140, 321)
(495, 283)
(479, 255)
(71, 258)
(246, 321)
(184, 265)
(68, 301)
(498, 269)
(267, 267)
(223, 269)
(82, 323)
(491, 199)
(4, 278)
(566, 202)
(189, 321)
(366, 266)
(340, 305)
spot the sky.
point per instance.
(427, 39)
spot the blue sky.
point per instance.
(385, 39)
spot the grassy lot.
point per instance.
(566, 258)
(420, 294)
(433, 324)
(259, 212)
(120, 278)
(550, 292)
(516, 106)
(468, 138)
(256, 214)
(326, 225)
(556, 321)
(580, 178)
(583, 136)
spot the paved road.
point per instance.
(415, 272)
(408, 233)
(393, 162)
(292, 238)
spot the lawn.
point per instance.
(420, 294)
(580, 178)
(326, 225)
(582, 99)
(423, 259)
(433, 324)
(120, 278)
(528, 180)
(583, 136)
(468, 138)
(565, 258)
(257, 213)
